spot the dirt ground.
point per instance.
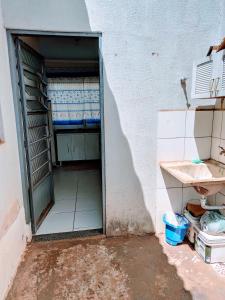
(115, 268)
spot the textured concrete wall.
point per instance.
(13, 230)
(147, 47)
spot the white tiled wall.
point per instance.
(197, 148)
(218, 135)
(181, 135)
(218, 139)
(171, 124)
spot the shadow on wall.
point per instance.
(213, 125)
(203, 126)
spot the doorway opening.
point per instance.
(61, 109)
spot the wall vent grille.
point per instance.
(203, 77)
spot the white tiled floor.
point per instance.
(78, 202)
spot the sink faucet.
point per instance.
(222, 152)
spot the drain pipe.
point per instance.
(203, 201)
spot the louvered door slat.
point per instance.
(203, 77)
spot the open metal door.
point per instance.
(34, 108)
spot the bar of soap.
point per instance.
(197, 161)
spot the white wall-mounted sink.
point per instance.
(207, 178)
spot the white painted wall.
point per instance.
(13, 230)
(147, 47)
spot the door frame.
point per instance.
(11, 33)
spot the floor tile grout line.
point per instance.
(88, 210)
(75, 202)
(76, 199)
(61, 212)
(184, 137)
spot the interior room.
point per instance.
(60, 79)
